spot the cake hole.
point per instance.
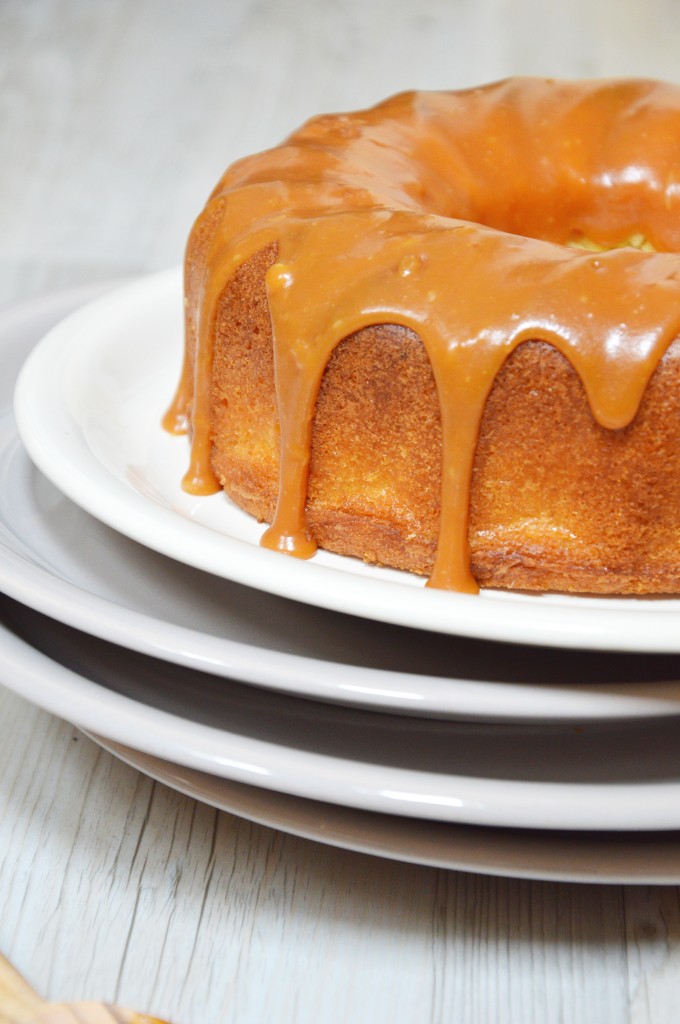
(579, 240)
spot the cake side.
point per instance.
(558, 502)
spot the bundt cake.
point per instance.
(440, 335)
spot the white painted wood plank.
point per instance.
(116, 888)
(653, 942)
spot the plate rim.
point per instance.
(365, 784)
(622, 624)
(97, 615)
(453, 846)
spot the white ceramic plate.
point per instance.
(56, 558)
(88, 405)
(612, 776)
(613, 858)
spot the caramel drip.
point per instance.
(366, 212)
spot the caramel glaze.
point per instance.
(450, 214)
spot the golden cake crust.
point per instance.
(558, 502)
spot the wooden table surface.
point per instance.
(116, 120)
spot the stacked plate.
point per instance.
(523, 735)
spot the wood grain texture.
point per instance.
(117, 118)
(116, 888)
